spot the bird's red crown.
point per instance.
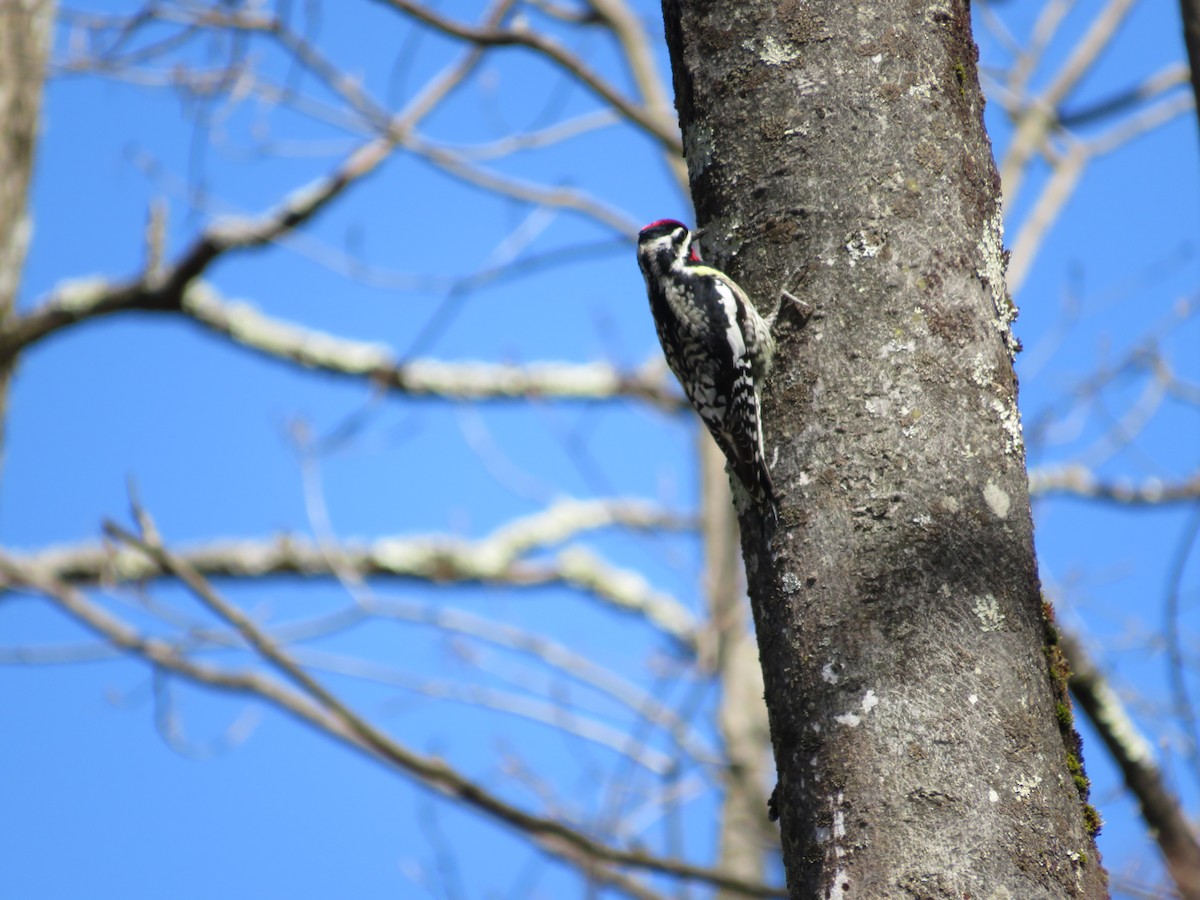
(693, 250)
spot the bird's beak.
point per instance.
(697, 233)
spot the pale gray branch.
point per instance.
(1079, 481)
(499, 559)
(242, 323)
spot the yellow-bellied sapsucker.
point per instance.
(715, 342)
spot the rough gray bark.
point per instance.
(24, 42)
(920, 723)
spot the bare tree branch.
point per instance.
(1039, 116)
(659, 123)
(165, 291)
(494, 560)
(1067, 170)
(1152, 87)
(520, 189)
(1049, 18)
(1079, 481)
(628, 30)
(400, 130)
(318, 707)
(1143, 360)
(550, 712)
(80, 301)
(449, 621)
(1135, 758)
(534, 140)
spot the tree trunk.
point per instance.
(25, 27)
(917, 703)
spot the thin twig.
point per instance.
(319, 708)
(433, 772)
(656, 122)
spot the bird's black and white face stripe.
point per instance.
(665, 243)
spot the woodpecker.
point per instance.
(715, 342)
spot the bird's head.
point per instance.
(669, 238)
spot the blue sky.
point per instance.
(96, 804)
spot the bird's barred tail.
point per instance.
(748, 459)
(754, 474)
